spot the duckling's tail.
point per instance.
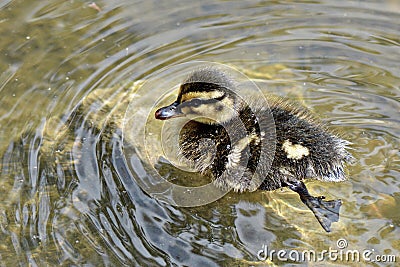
(326, 212)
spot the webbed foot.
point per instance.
(326, 212)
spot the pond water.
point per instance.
(66, 194)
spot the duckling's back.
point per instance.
(305, 148)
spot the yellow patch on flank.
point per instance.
(236, 153)
(206, 95)
(254, 138)
(294, 151)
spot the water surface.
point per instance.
(65, 196)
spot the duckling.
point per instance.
(245, 157)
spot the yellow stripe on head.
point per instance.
(205, 95)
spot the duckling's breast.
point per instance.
(205, 146)
(232, 152)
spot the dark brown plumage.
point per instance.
(248, 146)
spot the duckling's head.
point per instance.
(207, 96)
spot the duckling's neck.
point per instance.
(249, 120)
(253, 137)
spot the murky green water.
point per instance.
(65, 193)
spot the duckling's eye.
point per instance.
(195, 102)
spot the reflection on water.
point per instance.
(65, 196)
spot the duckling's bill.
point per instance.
(168, 112)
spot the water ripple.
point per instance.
(69, 72)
